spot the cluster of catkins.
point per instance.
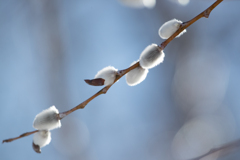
(44, 122)
(150, 57)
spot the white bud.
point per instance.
(47, 119)
(42, 138)
(151, 56)
(136, 76)
(108, 74)
(170, 27)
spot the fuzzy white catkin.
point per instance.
(42, 138)
(47, 119)
(108, 74)
(151, 56)
(170, 27)
(136, 76)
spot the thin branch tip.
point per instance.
(7, 140)
(21, 136)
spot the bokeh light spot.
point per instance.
(183, 2)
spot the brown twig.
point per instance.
(121, 73)
(21, 136)
(225, 149)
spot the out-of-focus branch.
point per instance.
(225, 149)
(121, 73)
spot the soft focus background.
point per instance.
(186, 106)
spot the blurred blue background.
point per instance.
(186, 106)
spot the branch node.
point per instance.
(61, 115)
(162, 46)
(207, 13)
(104, 90)
(120, 73)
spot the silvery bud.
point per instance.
(47, 120)
(151, 56)
(170, 27)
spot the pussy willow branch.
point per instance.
(185, 25)
(121, 73)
